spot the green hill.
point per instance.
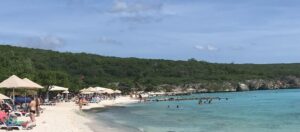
(78, 70)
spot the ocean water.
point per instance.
(253, 111)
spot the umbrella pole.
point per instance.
(14, 99)
(47, 96)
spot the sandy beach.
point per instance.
(66, 117)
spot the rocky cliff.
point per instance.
(256, 84)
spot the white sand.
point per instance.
(66, 117)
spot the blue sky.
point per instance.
(224, 31)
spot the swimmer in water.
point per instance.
(200, 101)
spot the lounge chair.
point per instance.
(11, 123)
(14, 122)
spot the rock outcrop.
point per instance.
(255, 84)
(242, 87)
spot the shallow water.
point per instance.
(259, 111)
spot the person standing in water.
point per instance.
(210, 100)
(200, 101)
(140, 97)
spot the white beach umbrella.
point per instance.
(100, 90)
(2, 96)
(85, 91)
(117, 91)
(109, 91)
(82, 90)
(66, 92)
(191, 90)
(57, 88)
(91, 89)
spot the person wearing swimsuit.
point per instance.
(32, 109)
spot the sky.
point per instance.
(222, 31)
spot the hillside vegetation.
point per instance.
(79, 70)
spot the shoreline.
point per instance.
(66, 116)
(105, 125)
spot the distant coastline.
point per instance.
(79, 70)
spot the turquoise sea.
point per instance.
(253, 111)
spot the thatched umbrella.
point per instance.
(37, 86)
(14, 82)
(3, 97)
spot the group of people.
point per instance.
(32, 107)
(94, 98)
(12, 110)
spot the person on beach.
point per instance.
(5, 107)
(38, 102)
(114, 96)
(32, 109)
(140, 97)
(80, 102)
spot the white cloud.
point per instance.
(105, 40)
(199, 47)
(206, 48)
(211, 48)
(120, 6)
(44, 42)
(139, 12)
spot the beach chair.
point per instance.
(9, 123)
(13, 123)
(19, 113)
(6, 126)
